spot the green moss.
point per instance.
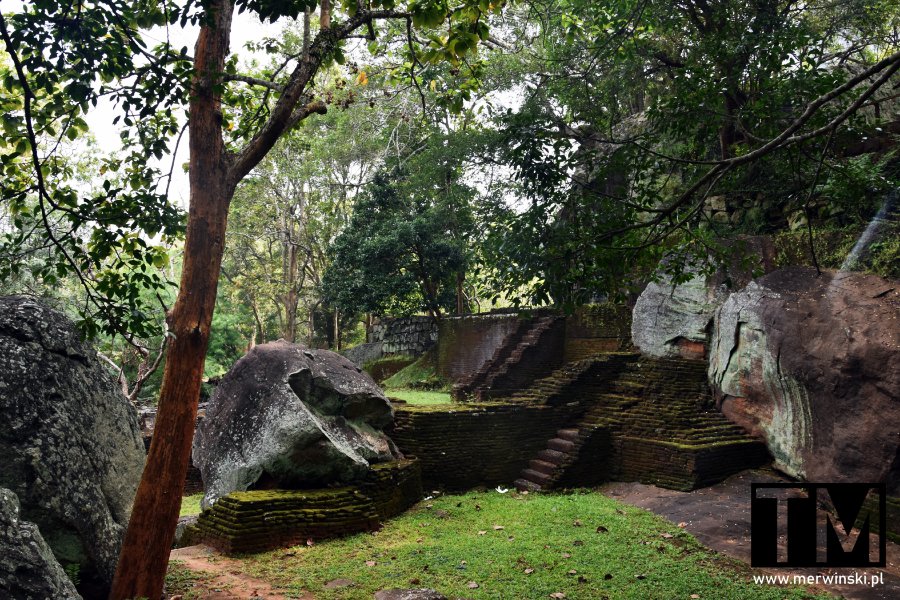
(419, 375)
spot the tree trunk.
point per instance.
(148, 540)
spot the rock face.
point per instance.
(28, 569)
(672, 320)
(811, 364)
(70, 445)
(290, 417)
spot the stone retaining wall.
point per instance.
(411, 336)
(465, 446)
(597, 328)
(260, 520)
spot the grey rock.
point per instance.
(290, 417)
(413, 594)
(28, 569)
(810, 364)
(363, 353)
(669, 319)
(70, 444)
(181, 528)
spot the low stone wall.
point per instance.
(465, 446)
(404, 335)
(597, 328)
(260, 520)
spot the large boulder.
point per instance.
(811, 364)
(287, 416)
(70, 445)
(671, 320)
(28, 569)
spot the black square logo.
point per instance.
(818, 524)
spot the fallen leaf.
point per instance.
(566, 555)
(602, 529)
(477, 507)
(695, 596)
(573, 572)
(682, 524)
(441, 514)
(371, 563)
(668, 536)
(582, 579)
(529, 571)
(499, 527)
(578, 543)
(482, 532)
(641, 576)
(621, 512)
(418, 540)
(577, 523)
(463, 562)
(415, 581)
(472, 585)
(429, 506)
(557, 595)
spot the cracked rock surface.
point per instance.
(286, 416)
(812, 365)
(28, 569)
(70, 445)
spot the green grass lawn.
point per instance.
(190, 505)
(420, 397)
(507, 546)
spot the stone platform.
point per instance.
(260, 520)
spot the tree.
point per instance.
(636, 113)
(405, 248)
(57, 50)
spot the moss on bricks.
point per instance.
(258, 520)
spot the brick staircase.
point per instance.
(517, 362)
(653, 422)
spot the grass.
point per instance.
(420, 397)
(583, 545)
(190, 505)
(182, 581)
(418, 375)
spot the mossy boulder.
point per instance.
(286, 416)
(70, 444)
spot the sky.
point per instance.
(246, 28)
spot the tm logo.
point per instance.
(814, 537)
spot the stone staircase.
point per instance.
(518, 361)
(653, 422)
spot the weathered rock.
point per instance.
(363, 353)
(414, 594)
(70, 445)
(290, 417)
(28, 569)
(672, 320)
(811, 364)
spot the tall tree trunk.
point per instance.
(148, 540)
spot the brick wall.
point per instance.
(476, 444)
(597, 328)
(466, 343)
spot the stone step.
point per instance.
(537, 477)
(542, 466)
(553, 456)
(568, 434)
(561, 445)
(524, 485)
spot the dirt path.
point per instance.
(719, 517)
(221, 577)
